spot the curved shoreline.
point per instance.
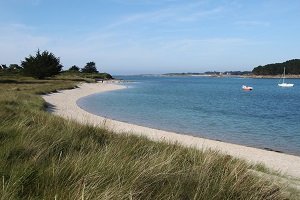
(64, 104)
(182, 133)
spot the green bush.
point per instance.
(90, 67)
(74, 68)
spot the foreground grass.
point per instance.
(46, 157)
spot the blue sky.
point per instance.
(152, 36)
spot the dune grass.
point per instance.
(46, 157)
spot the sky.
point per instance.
(152, 36)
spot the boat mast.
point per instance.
(283, 75)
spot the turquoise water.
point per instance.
(216, 108)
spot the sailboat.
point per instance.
(283, 84)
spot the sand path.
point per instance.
(64, 104)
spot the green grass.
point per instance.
(46, 157)
(73, 74)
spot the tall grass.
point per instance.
(46, 157)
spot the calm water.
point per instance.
(215, 108)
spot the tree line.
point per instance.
(291, 67)
(46, 64)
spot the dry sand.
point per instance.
(64, 104)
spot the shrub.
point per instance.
(90, 67)
(74, 68)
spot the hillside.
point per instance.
(292, 68)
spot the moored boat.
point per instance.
(283, 84)
(244, 87)
(286, 85)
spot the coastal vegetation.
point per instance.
(47, 157)
(74, 68)
(292, 67)
(41, 65)
(45, 64)
(90, 67)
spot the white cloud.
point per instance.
(252, 23)
(18, 41)
(172, 13)
(201, 14)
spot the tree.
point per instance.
(292, 67)
(90, 67)
(41, 65)
(14, 67)
(74, 68)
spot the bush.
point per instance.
(74, 68)
(41, 65)
(90, 67)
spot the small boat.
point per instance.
(283, 84)
(244, 87)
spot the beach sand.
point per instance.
(64, 104)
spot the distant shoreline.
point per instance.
(272, 76)
(64, 104)
(234, 76)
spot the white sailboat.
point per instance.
(283, 84)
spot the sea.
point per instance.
(268, 117)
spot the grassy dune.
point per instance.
(46, 157)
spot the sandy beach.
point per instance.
(64, 104)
